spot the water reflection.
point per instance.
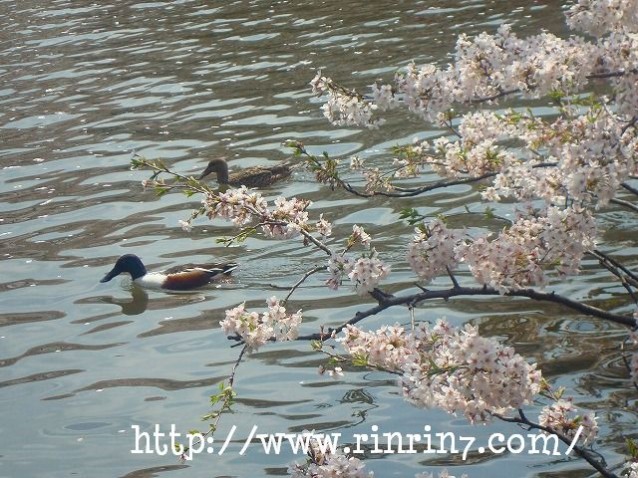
(139, 301)
(54, 347)
(137, 304)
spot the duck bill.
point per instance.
(109, 276)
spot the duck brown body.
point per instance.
(253, 177)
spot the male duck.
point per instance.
(177, 278)
(253, 177)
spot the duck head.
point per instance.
(127, 263)
(219, 166)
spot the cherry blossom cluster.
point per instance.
(257, 329)
(285, 219)
(559, 416)
(597, 158)
(457, 370)
(326, 464)
(324, 228)
(387, 348)
(364, 272)
(520, 256)
(240, 205)
(631, 469)
(587, 156)
(432, 251)
(345, 107)
(451, 368)
(488, 67)
(599, 17)
(288, 218)
(330, 466)
(358, 236)
(590, 150)
(478, 152)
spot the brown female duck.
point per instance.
(254, 177)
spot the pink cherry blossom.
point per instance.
(451, 368)
(560, 416)
(257, 329)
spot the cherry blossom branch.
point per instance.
(330, 176)
(612, 74)
(627, 204)
(240, 236)
(630, 188)
(580, 451)
(302, 280)
(502, 94)
(334, 179)
(318, 244)
(627, 278)
(225, 397)
(158, 166)
(629, 124)
(596, 76)
(253, 205)
(386, 301)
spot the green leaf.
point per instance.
(161, 190)
(360, 360)
(632, 447)
(412, 216)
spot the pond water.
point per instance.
(85, 86)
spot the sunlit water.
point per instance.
(84, 87)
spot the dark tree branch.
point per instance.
(587, 455)
(627, 278)
(386, 301)
(630, 188)
(622, 202)
(407, 192)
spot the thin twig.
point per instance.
(227, 399)
(303, 279)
